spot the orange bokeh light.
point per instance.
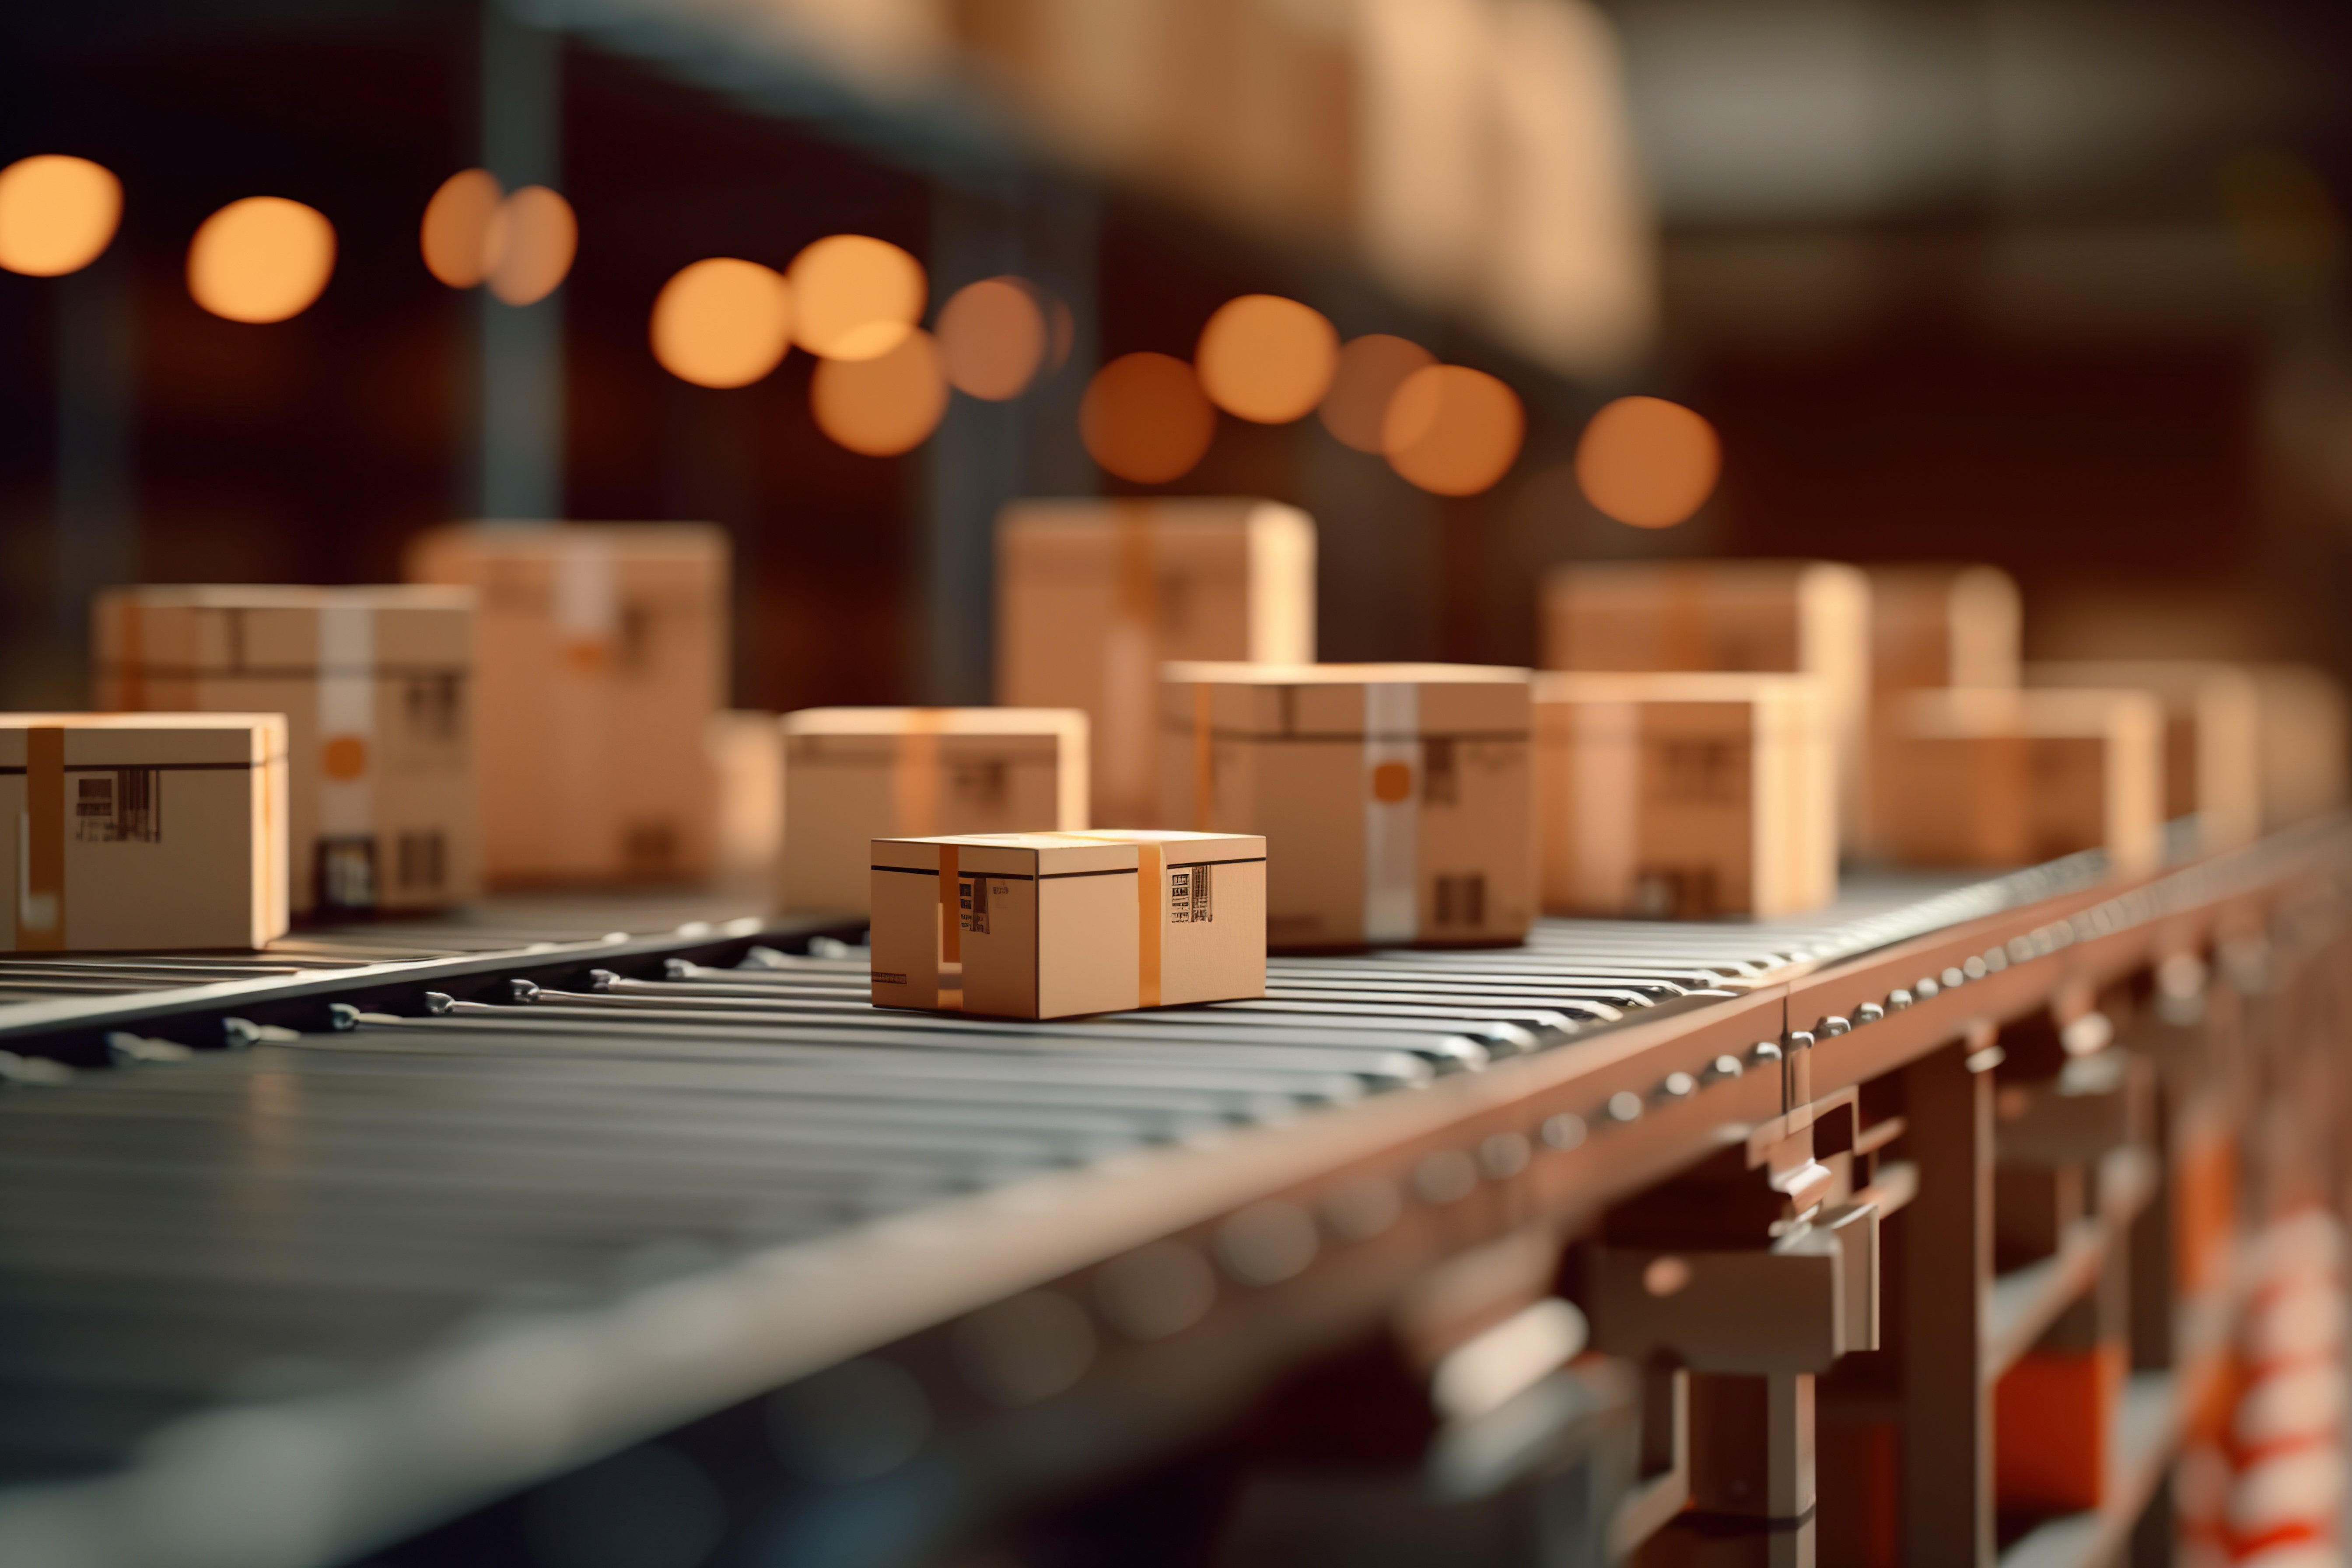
(992, 338)
(1368, 372)
(1145, 418)
(530, 245)
(722, 322)
(1452, 430)
(882, 405)
(1266, 359)
(1648, 462)
(455, 235)
(263, 259)
(57, 214)
(855, 297)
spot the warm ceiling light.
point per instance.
(264, 259)
(1145, 418)
(1452, 430)
(1370, 371)
(855, 297)
(885, 405)
(530, 245)
(1266, 359)
(992, 338)
(1648, 462)
(722, 322)
(457, 222)
(57, 214)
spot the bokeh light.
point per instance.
(1452, 430)
(57, 214)
(529, 247)
(263, 259)
(455, 238)
(883, 405)
(722, 322)
(1370, 370)
(1647, 462)
(1145, 418)
(1266, 359)
(992, 338)
(855, 297)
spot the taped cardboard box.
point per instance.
(1051, 925)
(600, 658)
(375, 684)
(1093, 595)
(855, 774)
(1395, 799)
(2013, 778)
(2213, 742)
(1799, 617)
(134, 831)
(1684, 796)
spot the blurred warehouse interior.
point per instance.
(2058, 287)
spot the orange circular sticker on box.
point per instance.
(1392, 781)
(345, 757)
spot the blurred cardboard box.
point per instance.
(1395, 799)
(1943, 626)
(1684, 796)
(2013, 778)
(375, 685)
(2303, 740)
(1801, 617)
(855, 774)
(747, 760)
(139, 831)
(1093, 595)
(1051, 925)
(2213, 737)
(601, 655)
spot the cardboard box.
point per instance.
(375, 684)
(1801, 617)
(1093, 595)
(1684, 796)
(1395, 799)
(600, 654)
(2303, 728)
(2212, 740)
(131, 831)
(2013, 778)
(1943, 626)
(747, 758)
(855, 774)
(1050, 925)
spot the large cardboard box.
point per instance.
(2212, 736)
(376, 686)
(1093, 595)
(1684, 796)
(601, 655)
(1395, 799)
(855, 774)
(1049, 925)
(2303, 742)
(1801, 617)
(131, 831)
(2011, 778)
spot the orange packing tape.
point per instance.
(131, 672)
(915, 775)
(1137, 582)
(1151, 892)
(41, 912)
(1685, 617)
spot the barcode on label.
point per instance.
(121, 808)
(971, 899)
(1187, 896)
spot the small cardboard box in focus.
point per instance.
(1684, 796)
(2213, 737)
(1394, 799)
(1050, 925)
(601, 655)
(134, 831)
(1802, 617)
(375, 685)
(855, 774)
(2013, 778)
(1093, 595)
